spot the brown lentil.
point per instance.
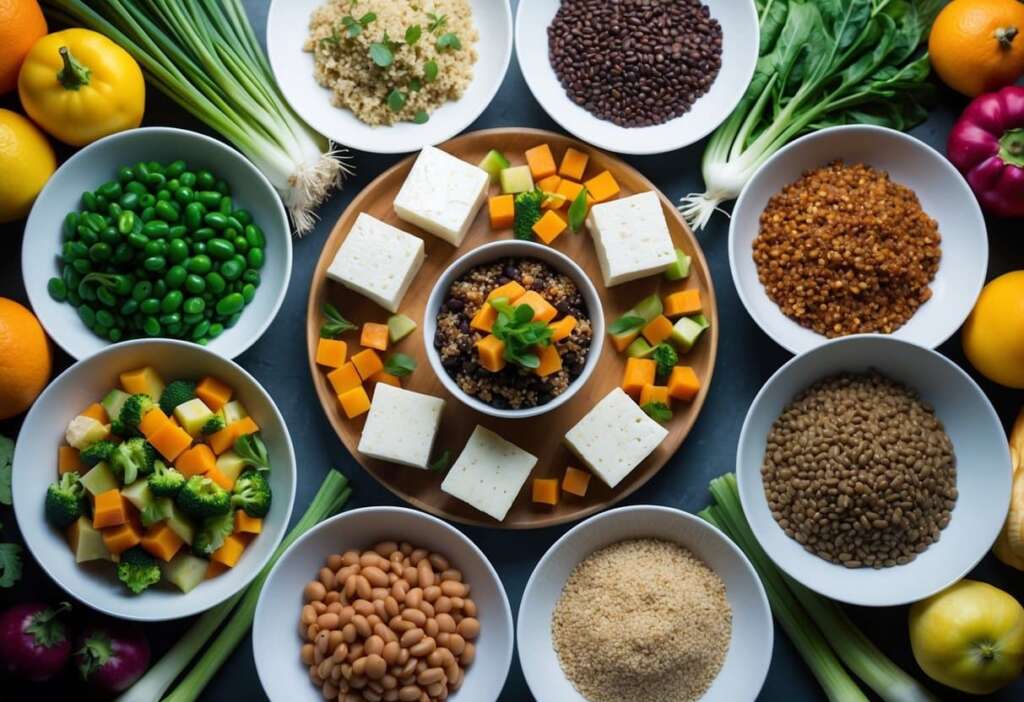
(635, 63)
(642, 620)
(860, 471)
(845, 250)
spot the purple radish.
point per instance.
(34, 642)
(111, 655)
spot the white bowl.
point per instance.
(944, 196)
(750, 649)
(35, 467)
(98, 163)
(982, 476)
(513, 248)
(287, 29)
(740, 42)
(275, 638)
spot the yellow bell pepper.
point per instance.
(80, 86)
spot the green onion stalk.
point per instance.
(329, 500)
(204, 55)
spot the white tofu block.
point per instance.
(489, 473)
(631, 238)
(378, 261)
(615, 437)
(401, 426)
(442, 195)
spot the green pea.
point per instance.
(170, 319)
(150, 326)
(243, 216)
(82, 265)
(87, 315)
(194, 212)
(178, 231)
(105, 296)
(129, 201)
(200, 330)
(177, 250)
(252, 277)
(233, 319)
(135, 188)
(147, 200)
(200, 264)
(254, 235)
(100, 252)
(187, 179)
(194, 305)
(205, 180)
(148, 214)
(129, 307)
(173, 184)
(87, 235)
(255, 258)
(155, 263)
(220, 249)
(172, 301)
(156, 229)
(175, 277)
(149, 306)
(226, 206)
(115, 335)
(89, 202)
(184, 195)
(248, 292)
(163, 195)
(215, 282)
(231, 269)
(57, 289)
(209, 199)
(230, 304)
(141, 290)
(216, 220)
(203, 234)
(155, 181)
(175, 168)
(125, 174)
(194, 284)
(110, 190)
(126, 222)
(70, 225)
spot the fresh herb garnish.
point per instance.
(626, 324)
(448, 41)
(383, 52)
(442, 462)
(421, 117)
(414, 85)
(354, 27)
(10, 564)
(332, 40)
(400, 365)
(666, 358)
(578, 210)
(520, 334)
(437, 22)
(334, 324)
(430, 71)
(658, 411)
(412, 34)
(396, 100)
(253, 452)
(6, 459)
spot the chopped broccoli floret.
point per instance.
(252, 493)
(118, 429)
(165, 481)
(177, 392)
(138, 570)
(201, 498)
(132, 458)
(251, 449)
(65, 500)
(527, 212)
(132, 412)
(211, 534)
(95, 453)
(213, 425)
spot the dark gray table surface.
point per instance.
(746, 359)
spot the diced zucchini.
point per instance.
(233, 411)
(517, 179)
(185, 570)
(113, 401)
(687, 330)
(680, 269)
(230, 464)
(177, 522)
(83, 432)
(399, 327)
(87, 542)
(139, 494)
(193, 415)
(639, 348)
(100, 479)
(494, 162)
(648, 308)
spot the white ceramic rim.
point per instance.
(514, 248)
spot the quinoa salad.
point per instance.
(512, 387)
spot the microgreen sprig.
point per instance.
(334, 324)
(626, 324)
(400, 365)
(658, 411)
(521, 335)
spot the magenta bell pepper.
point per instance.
(987, 146)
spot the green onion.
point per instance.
(818, 627)
(204, 56)
(331, 497)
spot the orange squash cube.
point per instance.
(545, 491)
(602, 186)
(109, 509)
(655, 393)
(543, 311)
(230, 552)
(134, 381)
(170, 440)
(550, 184)
(354, 402)
(226, 437)
(344, 378)
(550, 361)
(386, 378)
(682, 303)
(639, 372)
(569, 190)
(198, 460)
(683, 383)
(511, 291)
(213, 392)
(161, 541)
(622, 341)
(502, 210)
(658, 329)
(548, 227)
(367, 362)
(68, 460)
(575, 481)
(562, 328)
(153, 421)
(331, 352)
(244, 524)
(491, 350)
(96, 411)
(541, 161)
(574, 164)
(120, 538)
(214, 569)
(374, 336)
(484, 318)
(219, 478)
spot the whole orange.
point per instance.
(978, 45)
(21, 24)
(24, 358)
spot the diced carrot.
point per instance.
(576, 481)
(639, 372)
(658, 329)
(654, 393)
(213, 392)
(109, 509)
(543, 311)
(354, 402)
(502, 210)
(230, 552)
(120, 538)
(386, 378)
(548, 227)
(683, 383)
(153, 421)
(562, 328)
(374, 336)
(214, 569)
(683, 302)
(96, 411)
(170, 440)
(197, 460)
(511, 291)
(68, 460)
(491, 350)
(331, 352)
(367, 362)
(550, 361)
(622, 341)
(574, 164)
(244, 524)
(484, 318)
(545, 491)
(161, 541)
(550, 184)
(541, 161)
(602, 186)
(344, 378)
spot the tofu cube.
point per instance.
(401, 426)
(489, 473)
(631, 238)
(614, 437)
(378, 261)
(442, 195)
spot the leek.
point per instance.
(818, 627)
(204, 56)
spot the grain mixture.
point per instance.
(844, 250)
(642, 620)
(860, 471)
(393, 60)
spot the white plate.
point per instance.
(95, 583)
(287, 29)
(98, 163)
(750, 649)
(740, 41)
(982, 470)
(944, 196)
(275, 637)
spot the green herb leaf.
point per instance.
(578, 210)
(412, 34)
(430, 71)
(334, 324)
(658, 411)
(442, 462)
(396, 100)
(421, 117)
(448, 41)
(626, 324)
(10, 564)
(666, 358)
(6, 459)
(367, 18)
(437, 22)
(414, 85)
(381, 54)
(400, 365)
(521, 335)
(332, 40)
(352, 28)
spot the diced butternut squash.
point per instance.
(214, 569)
(226, 437)
(96, 411)
(658, 329)
(171, 440)
(213, 392)
(511, 291)
(545, 491)
(622, 341)
(153, 421)
(244, 524)
(197, 460)
(143, 380)
(550, 361)
(684, 302)
(331, 352)
(161, 541)
(570, 190)
(109, 509)
(655, 393)
(541, 161)
(550, 184)
(548, 227)
(491, 350)
(576, 481)
(367, 362)
(484, 318)
(602, 186)
(344, 378)
(374, 336)
(574, 164)
(562, 328)
(386, 378)
(230, 552)
(543, 311)
(639, 372)
(502, 210)
(68, 460)
(683, 383)
(354, 402)
(122, 537)
(221, 479)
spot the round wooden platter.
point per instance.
(541, 436)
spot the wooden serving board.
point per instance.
(541, 436)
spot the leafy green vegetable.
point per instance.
(412, 34)
(354, 27)
(521, 335)
(626, 324)
(334, 324)
(383, 52)
(10, 564)
(437, 22)
(400, 365)
(6, 460)
(658, 411)
(251, 449)
(442, 462)
(527, 213)
(666, 358)
(448, 41)
(430, 71)
(578, 210)
(414, 85)
(396, 100)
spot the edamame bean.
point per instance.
(233, 319)
(178, 231)
(149, 306)
(104, 318)
(89, 202)
(87, 236)
(163, 194)
(226, 206)
(148, 214)
(82, 265)
(248, 292)
(194, 284)
(200, 330)
(166, 211)
(175, 277)
(155, 263)
(251, 276)
(220, 249)
(171, 302)
(115, 334)
(215, 330)
(194, 212)
(230, 304)
(129, 200)
(159, 288)
(194, 305)
(141, 290)
(110, 236)
(70, 225)
(126, 222)
(125, 174)
(150, 326)
(147, 200)
(231, 269)
(110, 190)
(177, 250)
(106, 297)
(100, 252)
(87, 315)
(255, 258)
(129, 307)
(57, 289)
(205, 179)
(241, 245)
(188, 179)
(203, 234)
(216, 283)
(184, 195)
(175, 168)
(155, 247)
(170, 320)
(200, 264)
(216, 220)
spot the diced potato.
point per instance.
(193, 415)
(185, 570)
(233, 411)
(100, 479)
(139, 494)
(230, 464)
(83, 432)
(87, 542)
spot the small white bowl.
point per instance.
(275, 637)
(944, 196)
(983, 470)
(740, 42)
(95, 583)
(513, 248)
(98, 163)
(750, 649)
(287, 29)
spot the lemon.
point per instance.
(26, 163)
(993, 336)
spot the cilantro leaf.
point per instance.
(628, 323)
(10, 564)
(442, 462)
(6, 459)
(658, 411)
(334, 324)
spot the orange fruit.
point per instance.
(21, 24)
(24, 358)
(977, 46)
(993, 336)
